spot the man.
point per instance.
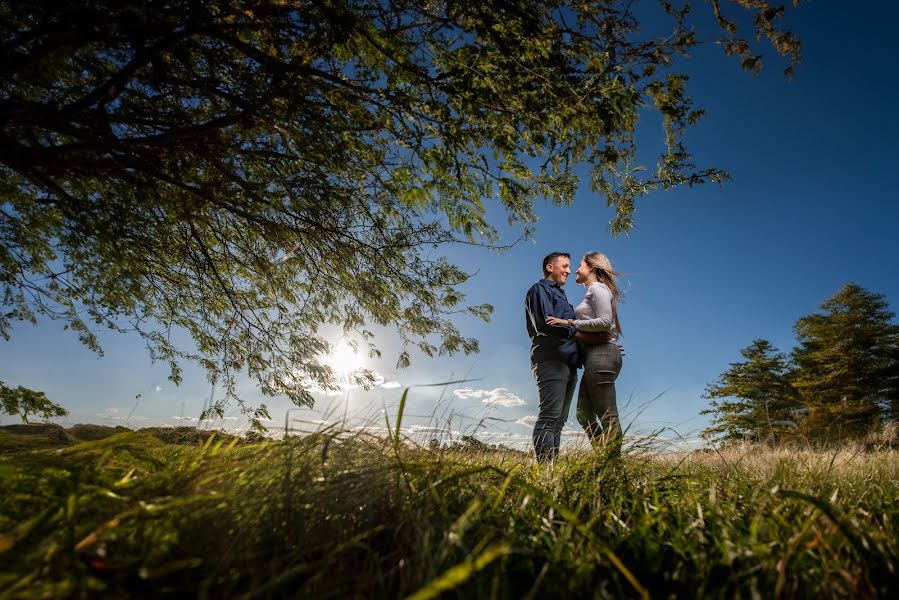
(554, 353)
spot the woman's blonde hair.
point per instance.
(601, 266)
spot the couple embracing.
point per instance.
(565, 338)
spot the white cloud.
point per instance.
(508, 435)
(568, 432)
(313, 387)
(210, 420)
(468, 393)
(494, 397)
(674, 444)
(353, 381)
(381, 382)
(371, 429)
(527, 421)
(507, 438)
(502, 397)
(114, 414)
(426, 429)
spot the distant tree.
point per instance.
(848, 363)
(250, 171)
(754, 399)
(23, 402)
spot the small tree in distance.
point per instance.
(23, 402)
(754, 399)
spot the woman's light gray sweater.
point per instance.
(594, 313)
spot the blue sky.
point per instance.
(812, 206)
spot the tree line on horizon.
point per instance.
(840, 382)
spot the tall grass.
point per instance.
(344, 514)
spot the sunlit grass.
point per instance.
(340, 513)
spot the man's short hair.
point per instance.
(551, 258)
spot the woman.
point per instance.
(598, 312)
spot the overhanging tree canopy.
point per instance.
(250, 170)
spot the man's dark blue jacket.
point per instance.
(549, 342)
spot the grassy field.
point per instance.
(336, 515)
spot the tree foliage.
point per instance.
(848, 361)
(754, 399)
(251, 170)
(842, 377)
(22, 402)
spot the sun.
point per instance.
(344, 360)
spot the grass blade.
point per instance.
(459, 574)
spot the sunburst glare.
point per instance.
(344, 360)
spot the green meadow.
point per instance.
(339, 514)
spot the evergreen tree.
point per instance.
(754, 399)
(848, 363)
